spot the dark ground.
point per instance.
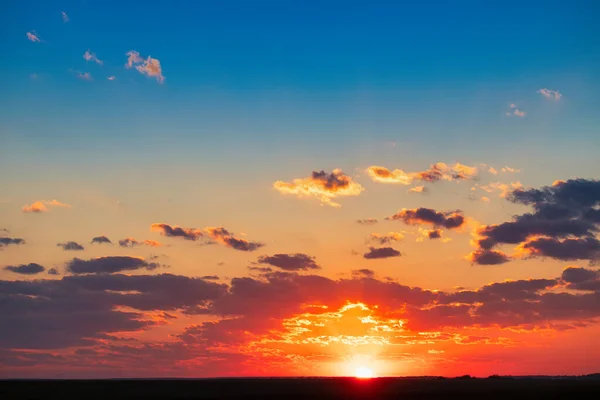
(306, 388)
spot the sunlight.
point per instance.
(363, 372)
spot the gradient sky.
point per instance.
(287, 126)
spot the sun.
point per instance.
(363, 372)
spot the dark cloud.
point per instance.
(367, 221)
(109, 265)
(100, 240)
(488, 257)
(71, 246)
(367, 273)
(5, 241)
(26, 269)
(581, 279)
(427, 216)
(381, 252)
(563, 226)
(210, 277)
(175, 231)
(386, 238)
(132, 242)
(227, 238)
(434, 234)
(79, 310)
(290, 262)
(53, 271)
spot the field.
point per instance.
(306, 388)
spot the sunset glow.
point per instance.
(233, 189)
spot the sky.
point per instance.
(203, 189)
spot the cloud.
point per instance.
(509, 169)
(503, 188)
(33, 36)
(71, 246)
(487, 257)
(322, 186)
(550, 94)
(175, 231)
(428, 216)
(65, 17)
(485, 199)
(493, 171)
(89, 56)
(5, 241)
(515, 111)
(149, 66)
(581, 279)
(563, 226)
(25, 269)
(519, 113)
(86, 76)
(53, 271)
(132, 242)
(112, 78)
(290, 262)
(386, 238)
(381, 252)
(42, 206)
(367, 221)
(227, 238)
(436, 172)
(100, 240)
(109, 265)
(418, 189)
(364, 272)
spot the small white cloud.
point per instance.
(514, 111)
(519, 113)
(86, 76)
(550, 94)
(33, 36)
(89, 56)
(112, 78)
(149, 66)
(65, 17)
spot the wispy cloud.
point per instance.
(42, 206)
(65, 17)
(86, 76)
(509, 169)
(514, 110)
(112, 78)
(149, 66)
(89, 56)
(321, 185)
(550, 94)
(33, 36)
(435, 172)
(418, 189)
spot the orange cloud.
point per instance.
(436, 172)
(227, 238)
(322, 186)
(149, 66)
(176, 231)
(42, 206)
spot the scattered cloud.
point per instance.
(563, 226)
(109, 265)
(515, 111)
(149, 66)
(290, 262)
(485, 199)
(33, 36)
(71, 246)
(322, 186)
(493, 171)
(89, 56)
(65, 17)
(132, 242)
(381, 252)
(42, 206)
(86, 76)
(228, 239)
(367, 221)
(25, 269)
(100, 240)
(386, 238)
(112, 78)
(436, 172)
(427, 216)
(418, 189)
(53, 271)
(503, 189)
(175, 231)
(550, 94)
(5, 241)
(509, 169)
